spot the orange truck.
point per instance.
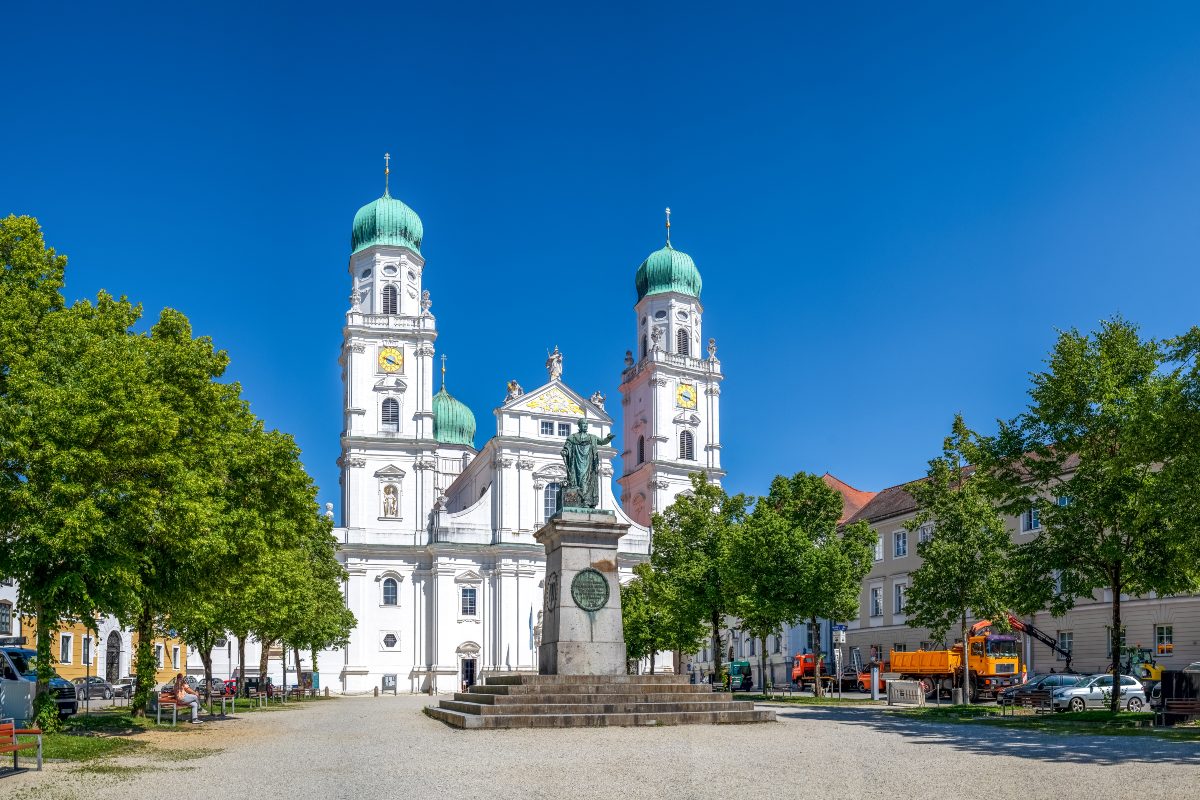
(804, 670)
(994, 664)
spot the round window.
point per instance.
(412, 276)
(389, 640)
(390, 269)
(366, 273)
(681, 314)
(660, 314)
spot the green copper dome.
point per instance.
(453, 422)
(668, 270)
(386, 221)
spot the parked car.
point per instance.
(230, 686)
(1095, 692)
(1038, 683)
(19, 663)
(92, 687)
(125, 688)
(205, 687)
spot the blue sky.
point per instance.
(893, 206)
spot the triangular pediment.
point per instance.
(470, 576)
(390, 471)
(556, 398)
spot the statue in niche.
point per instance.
(581, 454)
(391, 501)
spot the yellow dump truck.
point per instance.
(994, 664)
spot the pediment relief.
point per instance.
(684, 418)
(468, 648)
(554, 401)
(390, 471)
(390, 384)
(470, 576)
(551, 472)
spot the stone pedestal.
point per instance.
(582, 632)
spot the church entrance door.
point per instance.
(112, 658)
(468, 673)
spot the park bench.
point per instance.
(1039, 701)
(9, 744)
(1177, 707)
(162, 701)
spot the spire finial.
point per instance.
(387, 159)
(443, 371)
(668, 227)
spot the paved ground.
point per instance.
(384, 747)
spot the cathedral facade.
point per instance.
(445, 577)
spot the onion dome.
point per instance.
(453, 422)
(386, 221)
(668, 270)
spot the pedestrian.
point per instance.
(184, 696)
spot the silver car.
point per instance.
(1096, 691)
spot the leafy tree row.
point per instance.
(1107, 455)
(134, 482)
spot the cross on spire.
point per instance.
(387, 158)
(443, 371)
(668, 227)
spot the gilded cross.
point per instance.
(387, 159)
(668, 226)
(443, 370)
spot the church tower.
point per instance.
(389, 450)
(670, 390)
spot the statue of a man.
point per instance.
(581, 453)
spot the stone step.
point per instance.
(608, 697)
(525, 709)
(529, 679)
(461, 719)
(595, 687)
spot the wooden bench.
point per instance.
(158, 702)
(1039, 700)
(1177, 707)
(9, 744)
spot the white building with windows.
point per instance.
(445, 577)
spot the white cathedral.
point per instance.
(445, 578)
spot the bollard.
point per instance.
(874, 681)
(956, 696)
(376, 691)
(327, 691)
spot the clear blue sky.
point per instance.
(893, 205)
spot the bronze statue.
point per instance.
(581, 453)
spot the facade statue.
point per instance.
(712, 349)
(514, 391)
(598, 400)
(581, 454)
(554, 365)
(390, 501)
(425, 302)
(656, 334)
(329, 510)
(628, 358)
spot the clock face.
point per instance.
(391, 359)
(685, 395)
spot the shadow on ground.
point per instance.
(973, 737)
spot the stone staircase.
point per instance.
(581, 701)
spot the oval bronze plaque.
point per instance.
(589, 590)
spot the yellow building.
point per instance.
(76, 652)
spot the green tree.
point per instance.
(965, 565)
(692, 542)
(1097, 458)
(651, 618)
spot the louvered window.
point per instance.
(641, 449)
(683, 342)
(391, 415)
(389, 300)
(687, 446)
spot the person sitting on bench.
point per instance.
(184, 696)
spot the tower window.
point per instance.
(687, 446)
(389, 593)
(391, 415)
(389, 300)
(643, 347)
(641, 453)
(683, 342)
(551, 497)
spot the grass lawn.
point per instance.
(103, 733)
(1097, 721)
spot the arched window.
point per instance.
(389, 300)
(389, 592)
(551, 500)
(687, 446)
(390, 418)
(641, 449)
(683, 342)
(643, 346)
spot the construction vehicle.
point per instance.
(740, 676)
(994, 664)
(1037, 633)
(805, 671)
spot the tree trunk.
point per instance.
(818, 689)
(1114, 704)
(264, 661)
(314, 668)
(966, 684)
(45, 669)
(145, 666)
(296, 653)
(241, 679)
(206, 660)
(762, 664)
(716, 642)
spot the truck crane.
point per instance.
(1030, 630)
